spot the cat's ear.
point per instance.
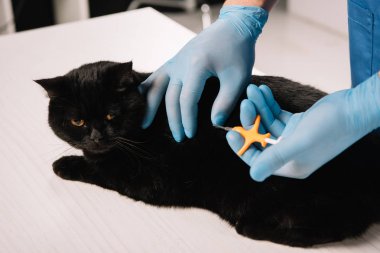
(54, 86)
(124, 74)
(122, 69)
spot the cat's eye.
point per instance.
(110, 116)
(77, 123)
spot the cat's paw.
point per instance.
(70, 167)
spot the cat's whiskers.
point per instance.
(124, 143)
(62, 152)
(131, 143)
(123, 147)
(135, 147)
(133, 151)
(52, 150)
(128, 140)
(132, 154)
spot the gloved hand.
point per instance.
(309, 139)
(226, 50)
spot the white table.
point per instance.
(40, 212)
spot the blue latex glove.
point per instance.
(309, 139)
(226, 50)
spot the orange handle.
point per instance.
(252, 135)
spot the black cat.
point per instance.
(97, 108)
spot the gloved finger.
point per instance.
(236, 142)
(230, 90)
(173, 109)
(269, 99)
(275, 108)
(274, 157)
(292, 124)
(192, 89)
(248, 116)
(147, 83)
(247, 113)
(284, 116)
(156, 91)
(272, 124)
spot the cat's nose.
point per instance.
(96, 136)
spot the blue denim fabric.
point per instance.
(364, 34)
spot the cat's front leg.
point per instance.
(77, 168)
(72, 168)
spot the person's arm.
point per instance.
(312, 138)
(265, 4)
(225, 50)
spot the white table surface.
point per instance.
(40, 212)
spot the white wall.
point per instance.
(70, 10)
(6, 17)
(328, 13)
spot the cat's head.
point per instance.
(96, 105)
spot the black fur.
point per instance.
(340, 200)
